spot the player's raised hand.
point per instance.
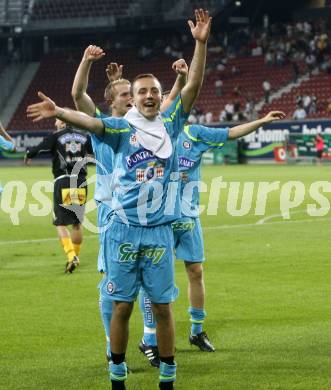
(114, 71)
(93, 53)
(274, 116)
(201, 30)
(180, 67)
(45, 109)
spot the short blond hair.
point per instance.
(110, 91)
(143, 76)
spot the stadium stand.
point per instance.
(65, 9)
(239, 60)
(318, 85)
(250, 79)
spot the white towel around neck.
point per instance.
(151, 134)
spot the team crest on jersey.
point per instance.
(73, 147)
(110, 288)
(187, 144)
(152, 172)
(133, 141)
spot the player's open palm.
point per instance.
(114, 71)
(201, 30)
(274, 115)
(93, 53)
(45, 109)
(180, 67)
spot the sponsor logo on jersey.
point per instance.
(127, 253)
(140, 157)
(72, 137)
(187, 226)
(186, 162)
(72, 196)
(187, 144)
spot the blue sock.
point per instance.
(106, 309)
(149, 320)
(118, 372)
(167, 372)
(197, 318)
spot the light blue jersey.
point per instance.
(144, 188)
(192, 143)
(104, 156)
(6, 145)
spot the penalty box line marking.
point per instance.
(217, 227)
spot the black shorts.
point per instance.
(319, 153)
(69, 203)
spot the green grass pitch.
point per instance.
(268, 299)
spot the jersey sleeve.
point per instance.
(115, 130)
(209, 137)
(46, 145)
(99, 114)
(176, 116)
(6, 145)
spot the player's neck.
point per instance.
(116, 114)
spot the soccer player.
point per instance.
(6, 143)
(138, 250)
(118, 97)
(192, 143)
(67, 147)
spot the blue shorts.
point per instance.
(188, 240)
(139, 256)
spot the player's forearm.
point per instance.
(80, 120)
(180, 83)
(4, 133)
(197, 68)
(81, 99)
(80, 83)
(195, 75)
(245, 128)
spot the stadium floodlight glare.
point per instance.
(238, 3)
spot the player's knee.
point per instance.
(161, 311)
(123, 310)
(77, 227)
(194, 271)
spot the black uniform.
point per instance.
(67, 147)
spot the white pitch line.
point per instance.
(217, 227)
(38, 240)
(265, 219)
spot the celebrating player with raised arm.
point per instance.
(138, 250)
(192, 143)
(118, 97)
